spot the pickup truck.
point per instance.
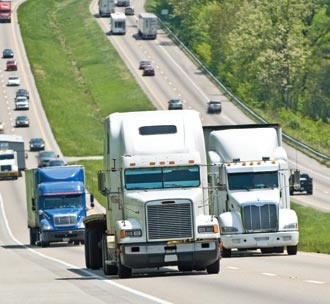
(301, 182)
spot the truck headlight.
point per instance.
(45, 226)
(228, 229)
(208, 229)
(291, 226)
(130, 233)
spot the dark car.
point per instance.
(22, 121)
(7, 53)
(56, 162)
(37, 144)
(148, 70)
(144, 63)
(175, 104)
(23, 92)
(301, 182)
(11, 65)
(129, 11)
(214, 106)
(44, 157)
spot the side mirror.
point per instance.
(92, 200)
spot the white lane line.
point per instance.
(314, 282)
(233, 268)
(84, 271)
(268, 274)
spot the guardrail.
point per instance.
(238, 101)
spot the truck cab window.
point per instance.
(252, 180)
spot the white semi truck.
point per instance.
(147, 25)
(249, 188)
(155, 183)
(12, 156)
(118, 23)
(106, 7)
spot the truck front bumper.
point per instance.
(260, 240)
(8, 174)
(63, 236)
(197, 254)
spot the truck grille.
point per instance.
(169, 220)
(65, 220)
(5, 168)
(260, 217)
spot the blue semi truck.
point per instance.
(56, 204)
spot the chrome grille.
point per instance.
(260, 217)
(169, 220)
(65, 220)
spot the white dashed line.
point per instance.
(314, 282)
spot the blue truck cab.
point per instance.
(56, 204)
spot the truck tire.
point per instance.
(292, 250)
(185, 267)
(94, 250)
(33, 236)
(225, 253)
(214, 268)
(123, 271)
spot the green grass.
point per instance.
(79, 75)
(81, 79)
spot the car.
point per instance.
(129, 11)
(21, 103)
(7, 53)
(13, 81)
(44, 157)
(11, 65)
(144, 63)
(214, 106)
(148, 70)
(2, 126)
(23, 92)
(56, 162)
(22, 121)
(175, 104)
(302, 184)
(37, 144)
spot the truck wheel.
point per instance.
(214, 268)
(87, 249)
(279, 249)
(225, 253)
(44, 244)
(123, 271)
(292, 250)
(95, 253)
(185, 267)
(267, 250)
(33, 236)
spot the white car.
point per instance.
(13, 81)
(21, 103)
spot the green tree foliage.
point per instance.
(274, 55)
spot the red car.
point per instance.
(11, 65)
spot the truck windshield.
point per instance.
(54, 202)
(158, 178)
(252, 180)
(6, 156)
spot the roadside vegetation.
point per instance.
(81, 79)
(273, 55)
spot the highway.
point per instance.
(58, 275)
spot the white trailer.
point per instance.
(147, 25)
(118, 23)
(12, 156)
(155, 182)
(249, 179)
(106, 7)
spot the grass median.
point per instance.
(81, 79)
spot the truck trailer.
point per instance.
(118, 23)
(147, 25)
(249, 188)
(155, 183)
(56, 204)
(106, 7)
(12, 156)
(5, 11)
